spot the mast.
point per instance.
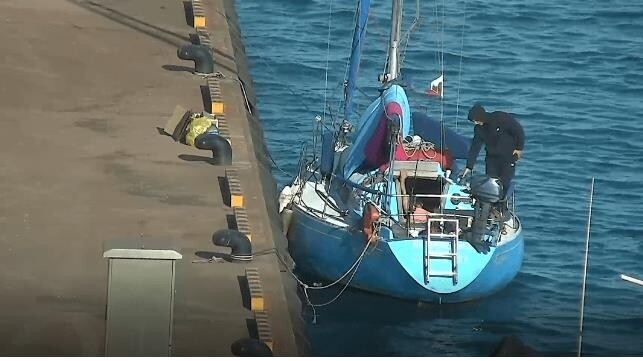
(392, 66)
(359, 34)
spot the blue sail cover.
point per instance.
(370, 137)
(356, 55)
(429, 129)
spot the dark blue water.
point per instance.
(572, 72)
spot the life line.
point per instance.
(370, 216)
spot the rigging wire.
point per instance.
(442, 41)
(319, 121)
(330, 17)
(444, 5)
(410, 31)
(344, 83)
(288, 87)
(437, 28)
(457, 104)
(439, 55)
(388, 58)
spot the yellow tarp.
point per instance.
(197, 126)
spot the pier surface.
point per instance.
(85, 89)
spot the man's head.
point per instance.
(477, 114)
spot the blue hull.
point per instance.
(395, 268)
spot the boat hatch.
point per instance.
(423, 169)
(417, 182)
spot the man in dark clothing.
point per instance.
(504, 140)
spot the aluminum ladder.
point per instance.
(451, 255)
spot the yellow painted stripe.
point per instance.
(236, 200)
(257, 303)
(217, 108)
(269, 344)
(199, 21)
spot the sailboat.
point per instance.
(381, 209)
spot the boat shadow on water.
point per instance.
(372, 322)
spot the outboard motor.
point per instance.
(486, 191)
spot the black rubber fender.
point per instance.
(250, 347)
(200, 54)
(241, 248)
(512, 346)
(220, 147)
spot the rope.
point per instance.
(302, 283)
(220, 75)
(341, 292)
(352, 271)
(277, 166)
(410, 150)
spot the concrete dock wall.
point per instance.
(86, 88)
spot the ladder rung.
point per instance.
(443, 220)
(442, 255)
(443, 235)
(443, 274)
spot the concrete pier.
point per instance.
(85, 89)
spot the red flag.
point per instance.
(435, 89)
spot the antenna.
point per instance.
(582, 302)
